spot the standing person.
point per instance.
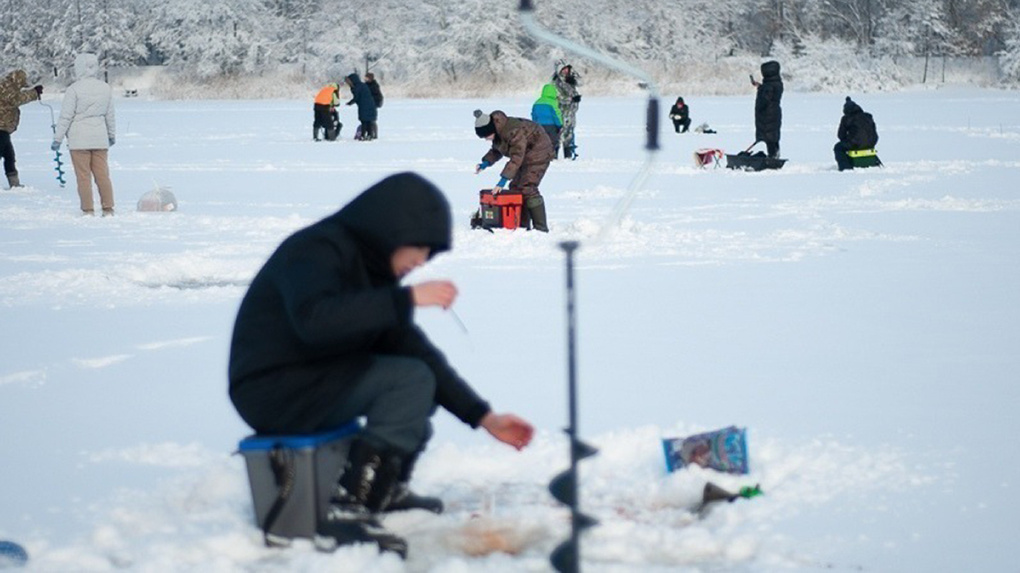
(566, 82)
(546, 112)
(529, 150)
(856, 131)
(326, 334)
(14, 93)
(373, 86)
(768, 115)
(87, 119)
(326, 117)
(368, 112)
(681, 115)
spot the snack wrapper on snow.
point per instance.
(724, 450)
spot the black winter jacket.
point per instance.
(376, 91)
(327, 300)
(680, 111)
(857, 128)
(367, 110)
(768, 115)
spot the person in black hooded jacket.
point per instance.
(856, 131)
(325, 334)
(368, 111)
(768, 115)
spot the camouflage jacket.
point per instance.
(524, 142)
(14, 92)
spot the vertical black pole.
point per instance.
(566, 558)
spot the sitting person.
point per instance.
(326, 334)
(681, 115)
(856, 132)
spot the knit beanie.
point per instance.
(483, 124)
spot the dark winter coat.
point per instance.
(373, 87)
(524, 142)
(14, 93)
(362, 97)
(679, 111)
(768, 115)
(857, 128)
(327, 301)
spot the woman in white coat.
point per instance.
(87, 120)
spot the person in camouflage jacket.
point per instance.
(14, 93)
(530, 152)
(566, 82)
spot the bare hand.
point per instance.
(508, 429)
(497, 190)
(434, 293)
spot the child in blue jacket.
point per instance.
(546, 112)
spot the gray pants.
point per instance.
(397, 398)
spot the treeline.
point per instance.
(444, 42)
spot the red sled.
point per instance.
(505, 210)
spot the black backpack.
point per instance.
(867, 133)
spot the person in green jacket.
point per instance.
(546, 112)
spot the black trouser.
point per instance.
(554, 136)
(843, 160)
(7, 150)
(369, 130)
(323, 120)
(685, 122)
(396, 395)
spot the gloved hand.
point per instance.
(55, 146)
(38, 90)
(576, 98)
(112, 141)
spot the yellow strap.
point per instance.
(862, 152)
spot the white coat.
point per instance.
(86, 115)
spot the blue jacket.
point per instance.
(546, 110)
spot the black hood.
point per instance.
(850, 107)
(355, 80)
(770, 69)
(402, 210)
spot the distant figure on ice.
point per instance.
(326, 335)
(529, 150)
(87, 120)
(857, 132)
(681, 115)
(566, 82)
(368, 112)
(14, 93)
(373, 87)
(768, 115)
(326, 117)
(546, 112)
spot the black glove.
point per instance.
(576, 98)
(38, 90)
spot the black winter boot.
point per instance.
(364, 489)
(536, 208)
(404, 499)
(13, 180)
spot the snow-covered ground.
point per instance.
(864, 326)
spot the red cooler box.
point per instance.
(505, 210)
